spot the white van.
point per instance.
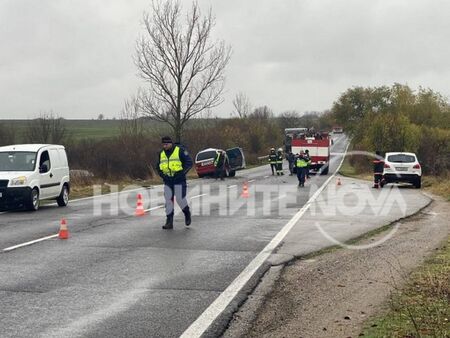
(30, 173)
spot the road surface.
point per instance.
(123, 276)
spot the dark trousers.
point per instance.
(291, 167)
(377, 177)
(220, 172)
(273, 166)
(301, 174)
(179, 191)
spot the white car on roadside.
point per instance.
(402, 167)
(30, 173)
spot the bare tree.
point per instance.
(131, 122)
(242, 105)
(48, 128)
(182, 66)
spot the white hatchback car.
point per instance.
(30, 173)
(402, 167)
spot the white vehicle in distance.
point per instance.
(402, 167)
(30, 173)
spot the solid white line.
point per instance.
(266, 176)
(29, 243)
(198, 196)
(250, 181)
(232, 186)
(202, 323)
(154, 208)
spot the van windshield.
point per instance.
(206, 155)
(17, 161)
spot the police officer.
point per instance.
(378, 167)
(301, 165)
(173, 164)
(308, 158)
(280, 162)
(220, 163)
(273, 160)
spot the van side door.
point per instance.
(47, 182)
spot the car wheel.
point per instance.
(33, 202)
(324, 171)
(200, 175)
(232, 173)
(63, 198)
(418, 183)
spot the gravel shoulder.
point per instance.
(334, 294)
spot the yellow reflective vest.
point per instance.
(301, 163)
(172, 165)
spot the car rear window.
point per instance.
(206, 155)
(401, 158)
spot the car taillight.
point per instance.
(387, 166)
(417, 166)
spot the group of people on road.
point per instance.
(298, 164)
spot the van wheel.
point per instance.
(33, 202)
(63, 198)
(232, 173)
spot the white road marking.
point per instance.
(202, 323)
(198, 196)
(266, 176)
(250, 181)
(29, 243)
(232, 186)
(154, 208)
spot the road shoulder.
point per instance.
(333, 294)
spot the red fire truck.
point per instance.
(317, 143)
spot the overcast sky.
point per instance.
(75, 57)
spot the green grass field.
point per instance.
(94, 129)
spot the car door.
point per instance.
(236, 158)
(47, 181)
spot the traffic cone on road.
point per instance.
(338, 182)
(63, 231)
(140, 206)
(245, 190)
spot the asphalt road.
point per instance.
(123, 276)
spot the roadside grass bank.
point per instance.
(421, 308)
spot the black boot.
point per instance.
(169, 223)
(187, 216)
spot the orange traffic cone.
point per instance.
(63, 231)
(338, 182)
(245, 190)
(140, 206)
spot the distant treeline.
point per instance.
(398, 119)
(131, 151)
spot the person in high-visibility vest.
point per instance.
(280, 162)
(173, 164)
(220, 163)
(301, 165)
(308, 158)
(273, 160)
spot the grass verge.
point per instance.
(422, 307)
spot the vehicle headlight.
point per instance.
(22, 180)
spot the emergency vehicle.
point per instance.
(204, 161)
(317, 143)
